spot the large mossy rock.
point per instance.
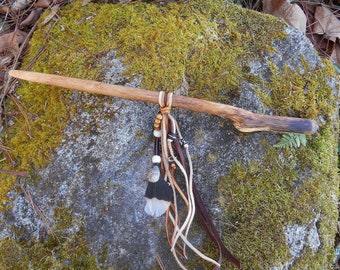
(88, 156)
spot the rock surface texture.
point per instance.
(274, 208)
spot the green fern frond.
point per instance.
(292, 140)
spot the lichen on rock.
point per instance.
(89, 155)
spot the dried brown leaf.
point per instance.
(323, 45)
(4, 9)
(20, 4)
(43, 3)
(32, 17)
(335, 56)
(54, 11)
(291, 13)
(326, 23)
(12, 41)
(5, 60)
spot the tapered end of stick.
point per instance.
(279, 124)
(31, 76)
(314, 127)
(14, 73)
(303, 126)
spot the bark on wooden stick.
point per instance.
(243, 120)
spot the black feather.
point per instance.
(160, 190)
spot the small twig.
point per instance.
(160, 262)
(39, 212)
(23, 112)
(18, 173)
(5, 150)
(41, 50)
(9, 81)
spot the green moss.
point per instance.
(12, 255)
(212, 158)
(261, 199)
(289, 182)
(66, 252)
(63, 217)
(169, 44)
(7, 184)
(164, 44)
(304, 96)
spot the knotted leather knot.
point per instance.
(165, 102)
(165, 110)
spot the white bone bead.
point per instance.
(156, 159)
(157, 133)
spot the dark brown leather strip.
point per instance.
(210, 228)
(205, 219)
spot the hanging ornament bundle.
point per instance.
(171, 188)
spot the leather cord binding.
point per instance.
(172, 162)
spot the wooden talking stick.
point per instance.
(243, 120)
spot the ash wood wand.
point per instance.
(243, 120)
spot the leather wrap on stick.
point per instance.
(243, 120)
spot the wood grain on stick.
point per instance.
(243, 120)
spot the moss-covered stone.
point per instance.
(163, 44)
(262, 199)
(64, 252)
(211, 44)
(12, 255)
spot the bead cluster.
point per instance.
(156, 158)
(158, 121)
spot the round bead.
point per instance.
(157, 133)
(156, 159)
